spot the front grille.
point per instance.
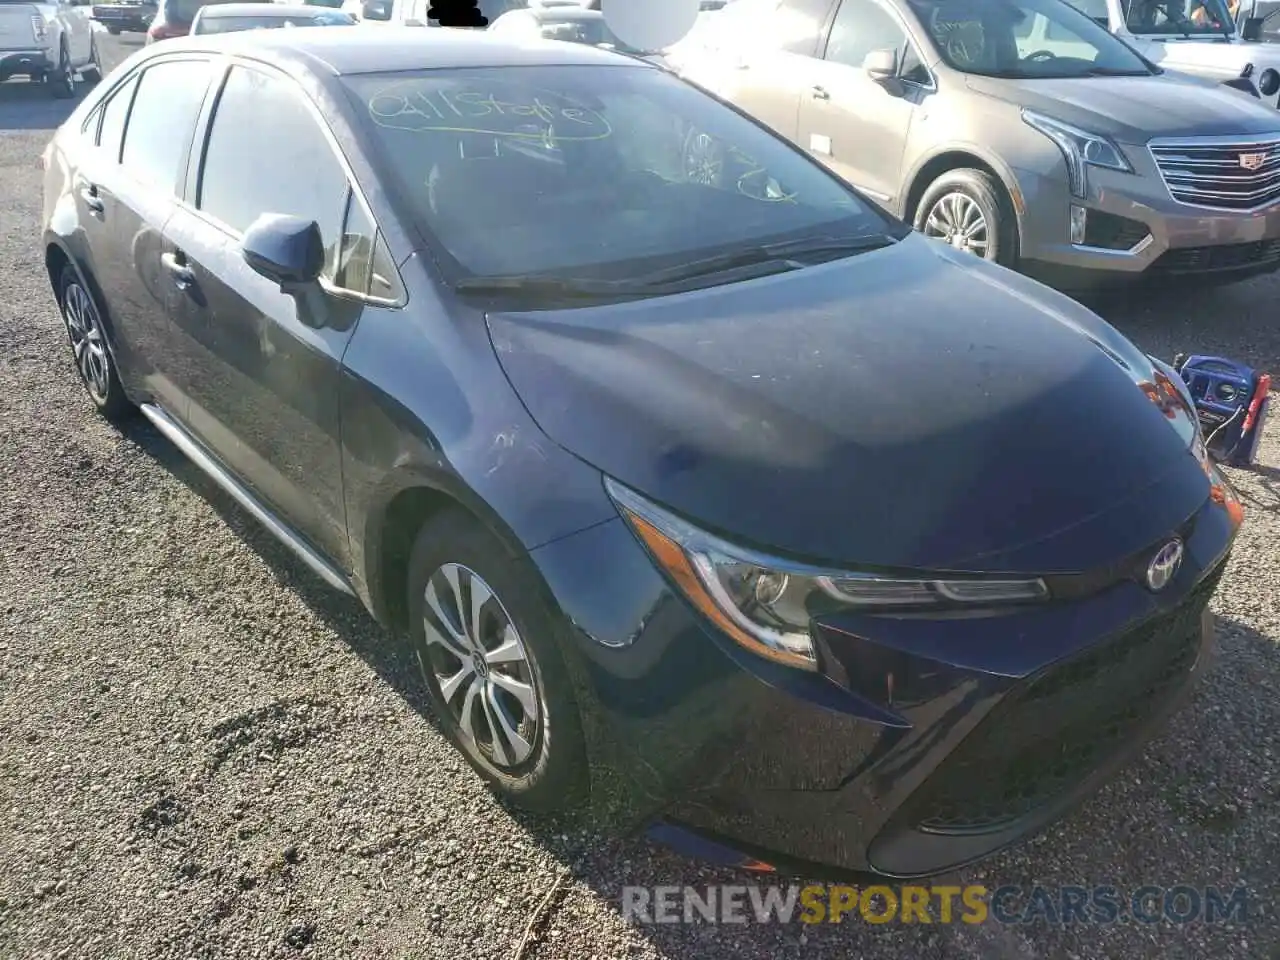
(1236, 175)
(1227, 256)
(1049, 735)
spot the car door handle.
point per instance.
(176, 265)
(820, 93)
(91, 199)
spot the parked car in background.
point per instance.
(229, 17)
(413, 13)
(48, 42)
(570, 22)
(174, 17)
(1199, 37)
(126, 16)
(636, 457)
(1018, 130)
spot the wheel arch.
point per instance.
(959, 157)
(409, 499)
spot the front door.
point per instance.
(264, 369)
(854, 123)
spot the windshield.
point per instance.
(1024, 39)
(321, 18)
(1186, 18)
(184, 11)
(588, 171)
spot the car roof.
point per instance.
(394, 48)
(263, 10)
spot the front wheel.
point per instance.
(489, 650)
(971, 211)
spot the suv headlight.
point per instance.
(766, 604)
(1080, 148)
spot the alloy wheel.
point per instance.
(482, 666)
(956, 218)
(88, 342)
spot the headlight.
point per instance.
(1080, 148)
(766, 604)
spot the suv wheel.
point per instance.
(488, 648)
(89, 347)
(970, 211)
(62, 82)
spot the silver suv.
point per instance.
(1019, 130)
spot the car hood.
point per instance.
(909, 407)
(1136, 109)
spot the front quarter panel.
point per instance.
(426, 405)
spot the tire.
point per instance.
(62, 82)
(454, 556)
(90, 351)
(946, 210)
(114, 31)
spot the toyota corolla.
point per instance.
(737, 507)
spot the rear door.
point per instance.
(853, 123)
(263, 370)
(139, 201)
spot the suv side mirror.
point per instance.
(881, 64)
(375, 10)
(286, 250)
(1252, 29)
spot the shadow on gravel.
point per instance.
(27, 106)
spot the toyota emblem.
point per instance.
(1164, 566)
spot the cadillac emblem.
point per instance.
(1252, 161)
(1164, 565)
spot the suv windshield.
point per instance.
(1025, 40)
(1186, 18)
(610, 173)
(583, 29)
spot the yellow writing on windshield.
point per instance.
(423, 106)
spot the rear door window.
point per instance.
(163, 120)
(114, 114)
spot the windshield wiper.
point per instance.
(1114, 72)
(570, 288)
(782, 256)
(786, 255)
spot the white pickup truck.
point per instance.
(49, 42)
(1198, 37)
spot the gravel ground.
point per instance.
(207, 754)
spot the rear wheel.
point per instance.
(62, 82)
(488, 648)
(89, 348)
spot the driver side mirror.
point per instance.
(1252, 29)
(375, 10)
(286, 250)
(881, 64)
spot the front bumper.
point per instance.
(29, 63)
(870, 767)
(1149, 235)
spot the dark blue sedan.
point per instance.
(700, 489)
